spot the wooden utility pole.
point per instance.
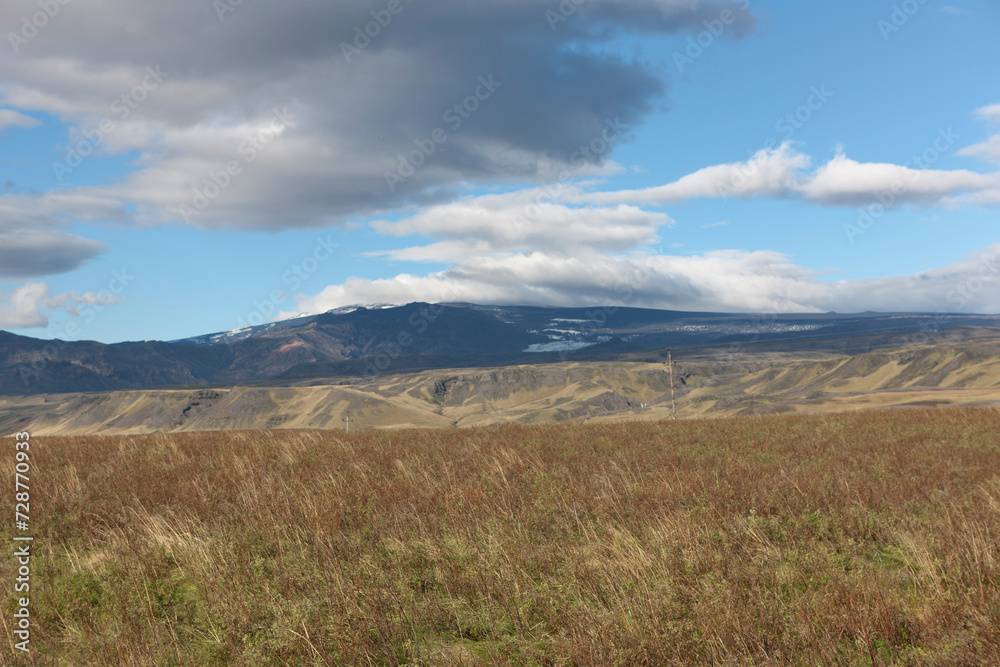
(673, 404)
(347, 422)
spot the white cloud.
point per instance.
(988, 150)
(770, 172)
(566, 244)
(990, 112)
(11, 118)
(723, 280)
(522, 220)
(569, 246)
(846, 182)
(841, 181)
(732, 281)
(30, 305)
(24, 307)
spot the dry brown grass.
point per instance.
(852, 539)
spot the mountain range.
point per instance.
(367, 342)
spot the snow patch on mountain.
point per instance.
(564, 345)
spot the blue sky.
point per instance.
(735, 175)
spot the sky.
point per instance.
(175, 169)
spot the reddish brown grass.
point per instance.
(852, 539)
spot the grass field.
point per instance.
(866, 538)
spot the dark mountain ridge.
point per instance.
(361, 341)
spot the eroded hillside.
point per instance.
(961, 373)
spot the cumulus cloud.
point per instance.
(24, 307)
(29, 305)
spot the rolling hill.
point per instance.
(964, 372)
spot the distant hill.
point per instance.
(744, 384)
(364, 342)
